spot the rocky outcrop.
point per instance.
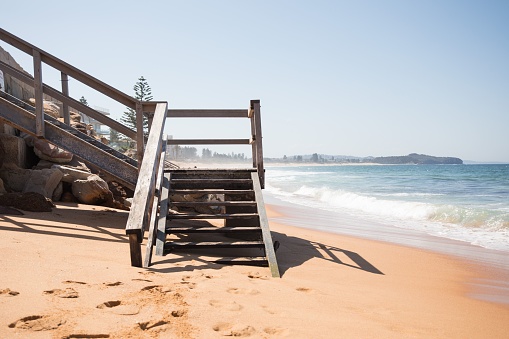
(418, 159)
(25, 180)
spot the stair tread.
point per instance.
(222, 244)
(209, 191)
(213, 203)
(242, 260)
(212, 229)
(213, 216)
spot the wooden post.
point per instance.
(259, 147)
(39, 104)
(65, 91)
(253, 133)
(140, 138)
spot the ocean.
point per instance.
(468, 204)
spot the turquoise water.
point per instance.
(469, 203)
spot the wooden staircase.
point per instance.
(232, 196)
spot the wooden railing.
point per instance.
(39, 56)
(253, 113)
(148, 161)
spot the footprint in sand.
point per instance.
(231, 330)
(116, 283)
(117, 307)
(248, 291)
(8, 291)
(38, 323)
(74, 282)
(230, 306)
(305, 289)
(68, 293)
(147, 325)
(256, 275)
(268, 309)
(277, 331)
(144, 280)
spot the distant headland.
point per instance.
(413, 158)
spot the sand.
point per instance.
(68, 276)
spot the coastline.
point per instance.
(72, 277)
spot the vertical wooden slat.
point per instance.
(163, 213)
(258, 141)
(253, 134)
(65, 91)
(155, 205)
(140, 139)
(39, 105)
(135, 248)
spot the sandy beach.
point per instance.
(68, 276)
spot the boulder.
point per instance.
(71, 174)
(57, 193)
(43, 181)
(46, 151)
(25, 180)
(29, 201)
(93, 190)
(15, 178)
(49, 108)
(14, 151)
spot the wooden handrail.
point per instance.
(207, 113)
(27, 79)
(68, 69)
(144, 194)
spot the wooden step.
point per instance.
(252, 261)
(170, 230)
(212, 183)
(210, 191)
(213, 203)
(211, 174)
(213, 216)
(168, 246)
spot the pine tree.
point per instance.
(142, 92)
(84, 101)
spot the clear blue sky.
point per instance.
(337, 77)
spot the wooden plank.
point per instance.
(68, 69)
(155, 206)
(70, 102)
(254, 261)
(212, 203)
(171, 230)
(163, 212)
(145, 187)
(213, 216)
(39, 106)
(65, 91)
(212, 244)
(209, 191)
(207, 113)
(264, 224)
(140, 136)
(135, 249)
(209, 141)
(258, 141)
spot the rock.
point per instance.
(2, 154)
(42, 164)
(46, 151)
(57, 193)
(15, 178)
(79, 165)
(68, 197)
(29, 201)
(93, 190)
(14, 151)
(117, 189)
(49, 107)
(43, 181)
(71, 174)
(25, 180)
(2, 188)
(80, 127)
